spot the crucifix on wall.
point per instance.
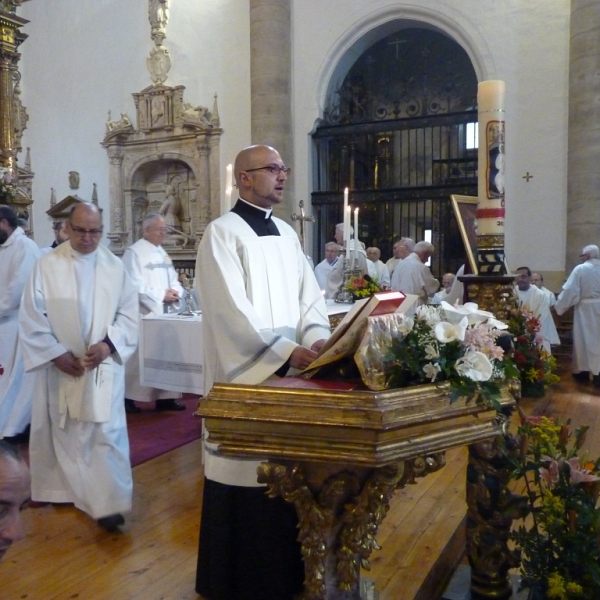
(302, 218)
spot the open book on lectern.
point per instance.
(347, 336)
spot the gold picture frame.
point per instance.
(465, 209)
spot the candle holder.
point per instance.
(350, 270)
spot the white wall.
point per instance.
(523, 42)
(84, 57)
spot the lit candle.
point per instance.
(346, 222)
(228, 189)
(355, 234)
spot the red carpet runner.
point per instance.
(152, 433)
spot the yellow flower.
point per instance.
(556, 587)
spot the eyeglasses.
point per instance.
(273, 169)
(81, 232)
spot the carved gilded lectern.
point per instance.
(338, 455)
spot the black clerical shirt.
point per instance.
(258, 218)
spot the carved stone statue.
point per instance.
(122, 124)
(171, 208)
(195, 114)
(74, 180)
(158, 15)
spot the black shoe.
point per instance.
(596, 381)
(131, 408)
(581, 376)
(169, 405)
(112, 522)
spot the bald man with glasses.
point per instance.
(263, 314)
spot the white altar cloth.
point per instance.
(171, 353)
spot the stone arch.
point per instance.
(379, 24)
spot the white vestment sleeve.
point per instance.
(38, 343)
(570, 294)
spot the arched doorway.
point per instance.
(399, 131)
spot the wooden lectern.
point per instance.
(338, 456)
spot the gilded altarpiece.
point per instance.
(168, 163)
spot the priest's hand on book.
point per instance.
(301, 357)
(69, 364)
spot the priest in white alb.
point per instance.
(18, 255)
(159, 291)
(532, 299)
(78, 326)
(548, 325)
(322, 270)
(263, 314)
(582, 291)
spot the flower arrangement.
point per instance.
(359, 287)
(8, 191)
(536, 367)
(559, 541)
(459, 344)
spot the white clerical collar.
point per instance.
(267, 211)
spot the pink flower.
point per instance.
(578, 474)
(550, 475)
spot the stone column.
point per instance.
(583, 207)
(270, 71)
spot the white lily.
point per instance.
(406, 325)
(474, 365)
(495, 324)
(431, 370)
(448, 332)
(431, 352)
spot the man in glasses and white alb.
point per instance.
(263, 313)
(78, 325)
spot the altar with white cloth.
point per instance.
(171, 353)
(172, 348)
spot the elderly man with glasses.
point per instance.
(263, 313)
(78, 326)
(159, 291)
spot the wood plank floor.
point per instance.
(65, 555)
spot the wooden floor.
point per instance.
(66, 556)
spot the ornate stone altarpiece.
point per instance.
(167, 162)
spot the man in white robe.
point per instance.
(532, 299)
(582, 290)
(263, 313)
(152, 272)
(412, 275)
(381, 271)
(444, 294)
(332, 252)
(548, 325)
(78, 326)
(401, 249)
(18, 255)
